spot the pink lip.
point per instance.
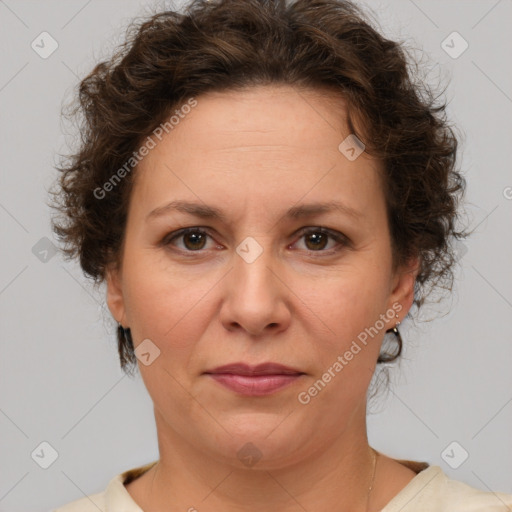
(259, 380)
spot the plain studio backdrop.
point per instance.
(449, 402)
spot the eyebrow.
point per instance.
(210, 212)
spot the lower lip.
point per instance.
(254, 385)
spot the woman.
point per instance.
(266, 194)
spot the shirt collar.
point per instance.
(117, 497)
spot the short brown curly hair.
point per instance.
(233, 44)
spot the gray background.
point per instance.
(60, 377)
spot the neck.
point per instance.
(335, 476)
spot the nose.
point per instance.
(256, 298)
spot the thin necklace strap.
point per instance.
(375, 455)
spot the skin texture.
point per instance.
(254, 154)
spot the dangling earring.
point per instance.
(386, 358)
(126, 334)
(394, 330)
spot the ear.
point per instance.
(403, 288)
(115, 298)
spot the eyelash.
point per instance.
(341, 239)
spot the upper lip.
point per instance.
(260, 369)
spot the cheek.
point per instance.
(350, 302)
(348, 352)
(164, 305)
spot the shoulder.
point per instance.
(114, 497)
(431, 490)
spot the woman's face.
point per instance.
(266, 278)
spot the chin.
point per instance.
(260, 441)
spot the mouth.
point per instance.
(261, 380)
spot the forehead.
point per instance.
(253, 140)
(266, 115)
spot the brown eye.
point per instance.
(316, 240)
(193, 239)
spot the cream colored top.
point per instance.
(429, 491)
